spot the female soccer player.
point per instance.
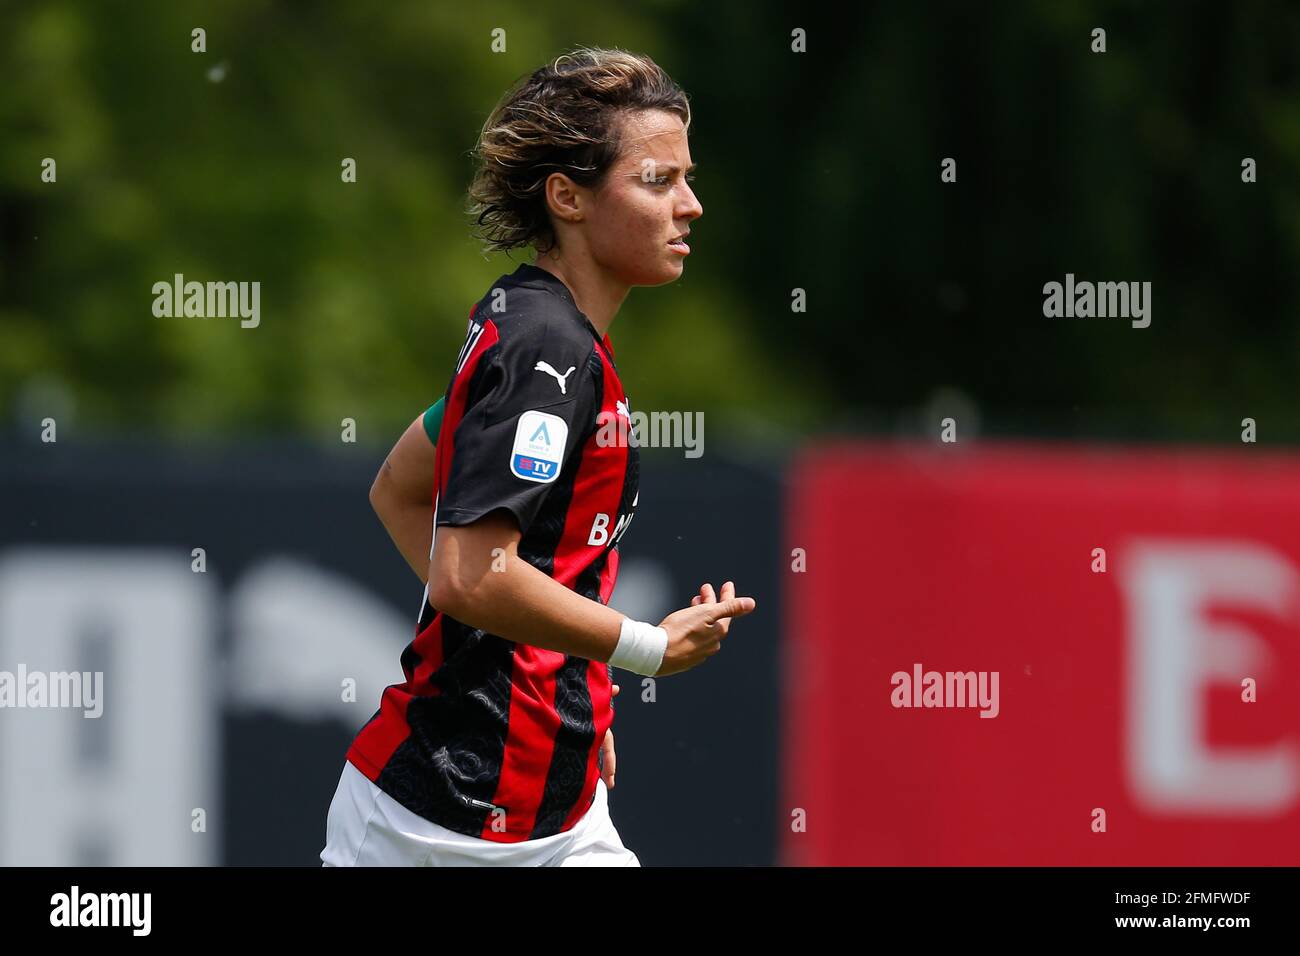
(487, 752)
(400, 496)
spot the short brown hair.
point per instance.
(565, 117)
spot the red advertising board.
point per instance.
(1041, 655)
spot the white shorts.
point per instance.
(367, 827)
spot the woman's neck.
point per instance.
(597, 296)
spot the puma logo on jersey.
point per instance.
(546, 367)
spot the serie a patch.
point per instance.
(539, 446)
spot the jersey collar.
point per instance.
(536, 276)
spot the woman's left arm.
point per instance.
(402, 493)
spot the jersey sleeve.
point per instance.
(533, 405)
(433, 420)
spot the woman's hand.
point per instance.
(607, 753)
(695, 633)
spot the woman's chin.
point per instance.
(662, 273)
(673, 268)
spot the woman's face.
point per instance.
(645, 203)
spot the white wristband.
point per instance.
(640, 648)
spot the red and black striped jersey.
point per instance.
(491, 737)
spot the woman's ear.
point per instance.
(563, 198)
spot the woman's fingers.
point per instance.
(707, 596)
(725, 623)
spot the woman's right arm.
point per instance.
(477, 577)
